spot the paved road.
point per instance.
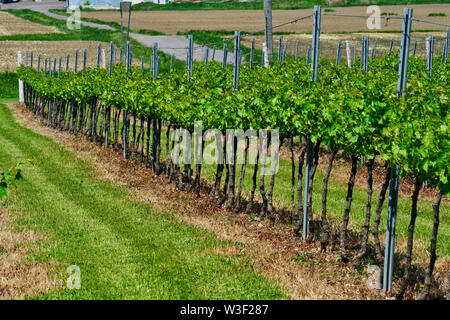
(178, 45)
(172, 45)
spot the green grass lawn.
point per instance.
(125, 250)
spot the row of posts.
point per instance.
(154, 59)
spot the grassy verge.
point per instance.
(125, 250)
(109, 23)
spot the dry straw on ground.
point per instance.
(54, 49)
(10, 25)
(171, 22)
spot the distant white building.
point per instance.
(160, 1)
(104, 4)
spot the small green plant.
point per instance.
(439, 14)
(7, 177)
(329, 10)
(86, 4)
(302, 257)
(389, 14)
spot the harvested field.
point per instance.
(328, 43)
(171, 22)
(10, 25)
(8, 51)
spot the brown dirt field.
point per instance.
(328, 43)
(8, 52)
(171, 22)
(300, 267)
(19, 277)
(10, 25)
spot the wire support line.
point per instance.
(431, 22)
(358, 16)
(274, 27)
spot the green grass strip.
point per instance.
(125, 250)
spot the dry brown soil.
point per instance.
(171, 22)
(8, 52)
(10, 25)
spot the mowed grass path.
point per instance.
(125, 250)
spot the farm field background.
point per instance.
(11, 25)
(9, 49)
(171, 22)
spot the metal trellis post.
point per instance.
(309, 146)
(225, 56)
(206, 56)
(59, 66)
(374, 49)
(252, 53)
(67, 62)
(338, 54)
(99, 49)
(111, 57)
(280, 41)
(430, 51)
(393, 193)
(237, 41)
(308, 54)
(84, 60)
(446, 45)
(75, 68)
